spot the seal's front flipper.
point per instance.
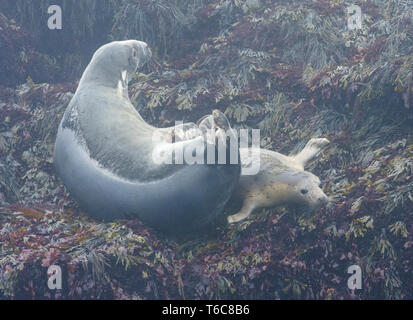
(183, 132)
(216, 120)
(221, 120)
(244, 213)
(181, 152)
(312, 149)
(200, 121)
(207, 125)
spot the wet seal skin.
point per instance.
(281, 180)
(103, 153)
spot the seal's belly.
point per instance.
(120, 140)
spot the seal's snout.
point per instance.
(323, 199)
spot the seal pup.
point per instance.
(280, 180)
(104, 153)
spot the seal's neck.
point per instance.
(105, 78)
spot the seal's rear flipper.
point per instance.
(312, 148)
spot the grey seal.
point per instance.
(104, 153)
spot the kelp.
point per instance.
(81, 21)
(160, 23)
(89, 24)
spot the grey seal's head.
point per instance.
(116, 60)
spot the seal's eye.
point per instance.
(304, 191)
(320, 186)
(134, 53)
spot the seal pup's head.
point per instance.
(115, 61)
(305, 190)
